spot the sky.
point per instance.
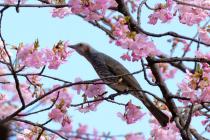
(32, 23)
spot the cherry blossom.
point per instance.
(13, 1)
(28, 89)
(66, 125)
(56, 114)
(3, 98)
(132, 113)
(82, 129)
(92, 10)
(95, 90)
(6, 110)
(166, 71)
(130, 41)
(195, 85)
(61, 12)
(164, 133)
(134, 137)
(30, 56)
(79, 87)
(89, 107)
(191, 15)
(204, 35)
(162, 12)
(126, 57)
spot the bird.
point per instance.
(106, 66)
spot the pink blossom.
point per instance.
(164, 133)
(153, 18)
(66, 125)
(131, 41)
(205, 96)
(67, 128)
(58, 55)
(95, 90)
(126, 57)
(10, 1)
(24, 51)
(7, 110)
(64, 99)
(204, 36)
(89, 8)
(28, 134)
(164, 15)
(79, 87)
(61, 12)
(147, 48)
(192, 15)
(28, 95)
(96, 136)
(13, 1)
(89, 107)
(82, 129)
(134, 137)
(55, 63)
(56, 114)
(170, 74)
(3, 98)
(30, 56)
(196, 85)
(187, 91)
(204, 122)
(169, 4)
(132, 113)
(35, 59)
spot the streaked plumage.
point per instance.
(105, 66)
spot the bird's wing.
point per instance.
(118, 69)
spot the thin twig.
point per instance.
(145, 74)
(187, 124)
(192, 5)
(139, 12)
(178, 59)
(42, 110)
(41, 126)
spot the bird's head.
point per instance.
(82, 48)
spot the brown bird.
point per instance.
(105, 66)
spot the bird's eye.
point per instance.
(80, 44)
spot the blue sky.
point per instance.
(34, 23)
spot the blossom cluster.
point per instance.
(13, 1)
(132, 113)
(165, 70)
(196, 86)
(162, 12)
(30, 56)
(192, 15)
(188, 15)
(138, 45)
(94, 91)
(204, 35)
(164, 133)
(90, 9)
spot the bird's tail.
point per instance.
(162, 118)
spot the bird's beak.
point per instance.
(73, 46)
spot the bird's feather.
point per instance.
(118, 69)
